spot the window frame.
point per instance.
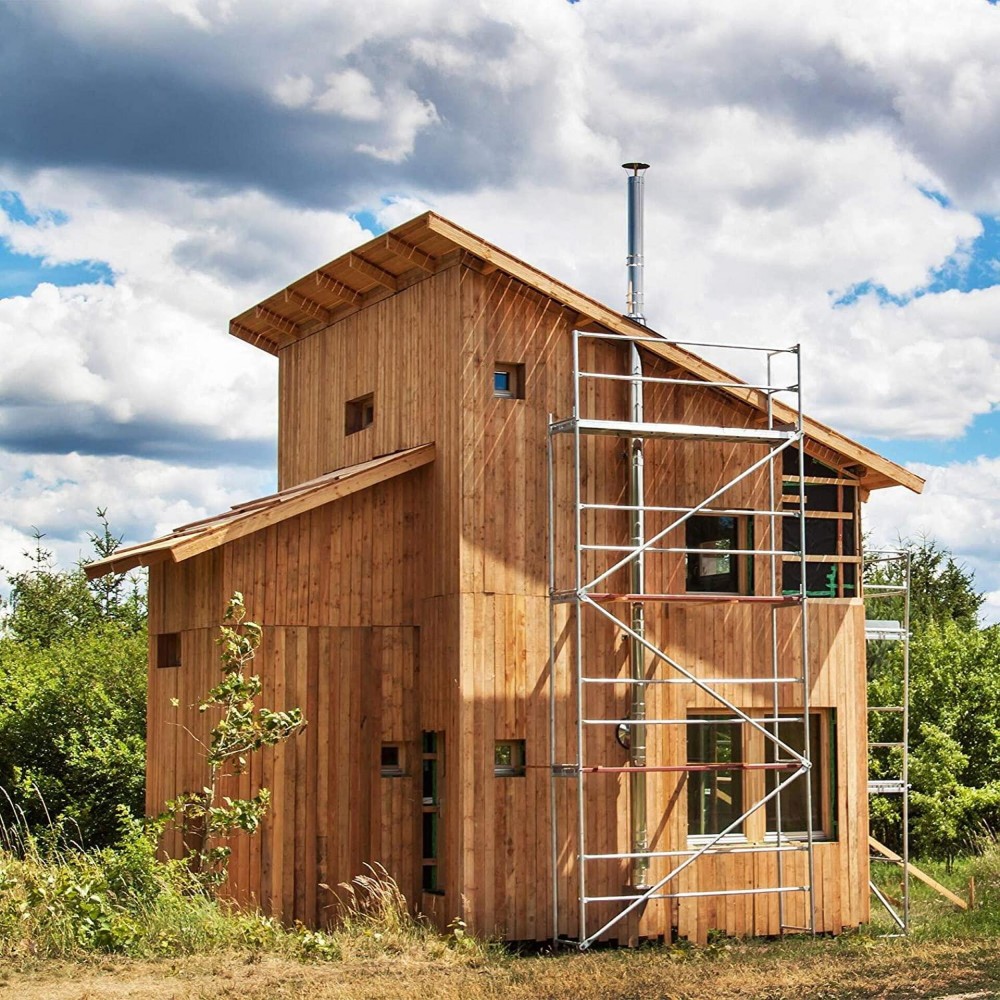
(432, 777)
(397, 770)
(831, 496)
(359, 414)
(743, 564)
(754, 747)
(514, 371)
(168, 650)
(516, 766)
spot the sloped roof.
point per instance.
(419, 247)
(246, 518)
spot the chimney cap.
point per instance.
(636, 166)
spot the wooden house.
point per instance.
(446, 584)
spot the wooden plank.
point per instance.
(917, 873)
(337, 288)
(676, 355)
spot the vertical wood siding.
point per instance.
(422, 605)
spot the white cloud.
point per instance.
(146, 363)
(349, 93)
(959, 509)
(58, 495)
(293, 90)
(790, 142)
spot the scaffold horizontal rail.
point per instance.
(727, 766)
(699, 892)
(687, 722)
(632, 428)
(886, 787)
(646, 681)
(571, 596)
(775, 848)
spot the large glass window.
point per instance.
(794, 797)
(715, 793)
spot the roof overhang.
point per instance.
(246, 518)
(428, 243)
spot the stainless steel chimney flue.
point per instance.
(639, 868)
(634, 260)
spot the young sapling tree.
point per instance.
(206, 816)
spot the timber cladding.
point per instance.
(410, 621)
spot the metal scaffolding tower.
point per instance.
(603, 552)
(891, 569)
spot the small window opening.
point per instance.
(508, 759)
(713, 568)
(392, 761)
(432, 760)
(508, 380)
(359, 414)
(168, 649)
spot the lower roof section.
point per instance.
(254, 515)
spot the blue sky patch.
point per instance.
(21, 274)
(981, 438)
(971, 269)
(368, 221)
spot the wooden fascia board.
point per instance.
(148, 554)
(281, 510)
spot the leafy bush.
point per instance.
(72, 729)
(72, 696)
(954, 710)
(57, 901)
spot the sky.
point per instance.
(822, 174)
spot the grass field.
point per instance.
(823, 969)
(949, 954)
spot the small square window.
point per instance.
(359, 413)
(392, 761)
(508, 380)
(711, 565)
(508, 759)
(168, 649)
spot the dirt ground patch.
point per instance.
(820, 970)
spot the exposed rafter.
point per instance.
(346, 294)
(307, 305)
(408, 252)
(373, 273)
(280, 323)
(253, 337)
